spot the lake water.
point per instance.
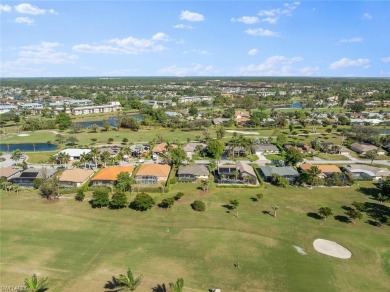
(293, 105)
(28, 147)
(111, 121)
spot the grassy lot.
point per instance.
(80, 248)
(39, 157)
(331, 156)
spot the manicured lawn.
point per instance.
(39, 157)
(331, 156)
(80, 248)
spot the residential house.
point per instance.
(74, 153)
(241, 117)
(239, 173)
(108, 176)
(363, 148)
(193, 147)
(152, 174)
(326, 169)
(220, 121)
(8, 172)
(162, 148)
(192, 173)
(288, 172)
(361, 171)
(112, 150)
(26, 177)
(188, 99)
(263, 149)
(74, 177)
(113, 106)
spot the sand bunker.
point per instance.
(23, 135)
(242, 132)
(331, 248)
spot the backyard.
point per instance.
(79, 248)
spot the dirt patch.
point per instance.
(48, 202)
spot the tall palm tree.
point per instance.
(178, 286)
(126, 152)
(16, 155)
(235, 173)
(84, 158)
(95, 155)
(105, 157)
(65, 158)
(34, 284)
(313, 174)
(275, 208)
(16, 188)
(129, 282)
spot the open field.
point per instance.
(80, 248)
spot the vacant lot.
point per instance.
(80, 248)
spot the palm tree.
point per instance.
(235, 205)
(16, 188)
(95, 155)
(235, 173)
(105, 157)
(205, 185)
(178, 286)
(275, 208)
(84, 158)
(16, 155)
(313, 174)
(126, 152)
(65, 158)
(129, 282)
(7, 186)
(34, 284)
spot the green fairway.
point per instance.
(80, 248)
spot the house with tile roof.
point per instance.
(8, 172)
(238, 173)
(162, 148)
(326, 169)
(74, 177)
(108, 176)
(152, 174)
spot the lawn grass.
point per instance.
(331, 156)
(39, 157)
(80, 248)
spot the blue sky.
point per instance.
(195, 38)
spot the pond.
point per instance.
(28, 147)
(111, 121)
(293, 105)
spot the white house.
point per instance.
(113, 106)
(75, 153)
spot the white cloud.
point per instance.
(160, 36)
(5, 8)
(253, 52)
(193, 70)
(246, 19)
(351, 40)
(273, 15)
(345, 62)
(26, 20)
(261, 32)
(367, 16)
(191, 16)
(31, 56)
(196, 51)
(26, 8)
(183, 26)
(278, 66)
(386, 60)
(129, 45)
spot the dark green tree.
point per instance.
(100, 198)
(293, 156)
(216, 148)
(142, 202)
(167, 203)
(198, 206)
(325, 212)
(118, 200)
(79, 195)
(63, 120)
(124, 181)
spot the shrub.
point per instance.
(142, 202)
(79, 195)
(167, 203)
(178, 196)
(198, 206)
(100, 198)
(118, 200)
(37, 183)
(173, 180)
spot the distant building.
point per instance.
(263, 149)
(192, 173)
(113, 106)
(363, 148)
(188, 99)
(75, 153)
